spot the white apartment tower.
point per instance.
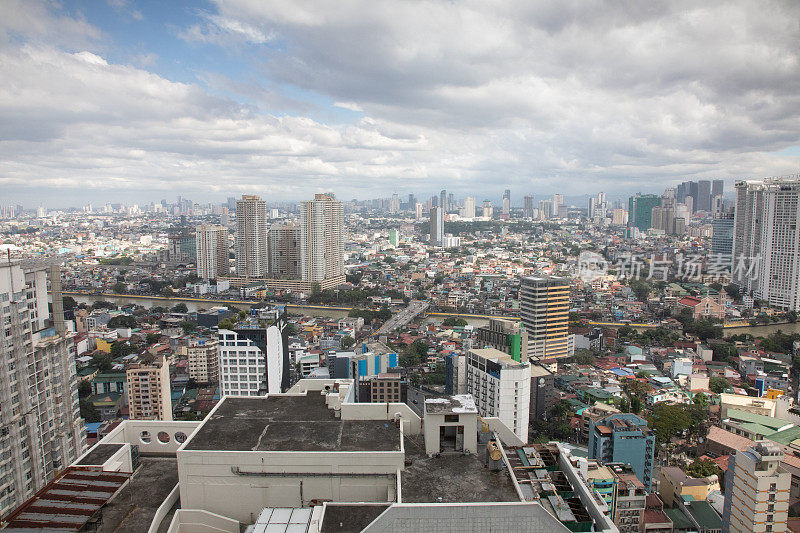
(437, 226)
(501, 387)
(203, 358)
(212, 251)
(41, 431)
(253, 360)
(544, 307)
(251, 237)
(321, 238)
(766, 245)
(469, 207)
(756, 491)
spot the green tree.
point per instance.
(101, 361)
(188, 326)
(718, 384)
(89, 412)
(121, 349)
(668, 421)
(152, 338)
(454, 322)
(703, 468)
(84, 389)
(583, 357)
(69, 303)
(180, 308)
(347, 342)
(636, 405)
(701, 400)
(122, 321)
(119, 287)
(225, 324)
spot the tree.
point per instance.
(454, 322)
(703, 468)
(84, 389)
(414, 354)
(152, 338)
(347, 342)
(641, 289)
(180, 308)
(701, 400)
(668, 421)
(122, 321)
(733, 291)
(188, 326)
(561, 410)
(69, 303)
(101, 361)
(718, 384)
(119, 287)
(89, 412)
(225, 324)
(583, 357)
(121, 349)
(636, 405)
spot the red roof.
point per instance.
(689, 301)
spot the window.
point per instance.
(451, 418)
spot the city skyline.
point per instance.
(124, 99)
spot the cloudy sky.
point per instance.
(136, 101)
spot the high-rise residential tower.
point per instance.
(469, 207)
(212, 251)
(544, 308)
(251, 237)
(507, 201)
(149, 393)
(437, 226)
(528, 207)
(42, 431)
(322, 238)
(766, 245)
(756, 491)
(284, 251)
(640, 210)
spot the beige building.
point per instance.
(756, 491)
(284, 258)
(544, 307)
(675, 483)
(251, 237)
(322, 239)
(149, 391)
(203, 359)
(212, 251)
(630, 501)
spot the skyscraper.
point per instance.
(544, 308)
(437, 226)
(756, 491)
(251, 237)
(212, 252)
(42, 431)
(767, 239)
(717, 188)
(488, 210)
(394, 204)
(469, 207)
(418, 211)
(640, 210)
(507, 201)
(558, 201)
(322, 238)
(545, 209)
(704, 195)
(284, 251)
(443, 201)
(528, 207)
(722, 238)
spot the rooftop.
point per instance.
(100, 454)
(460, 403)
(289, 423)
(451, 478)
(343, 517)
(493, 354)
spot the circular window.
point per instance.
(180, 437)
(163, 437)
(145, 437)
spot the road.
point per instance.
(403, 317)
(416, 400)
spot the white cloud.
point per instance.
(472, 96)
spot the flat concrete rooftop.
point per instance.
(289, 423)
(100, 454)
(133, 508)
(350, 518)
(451, 477)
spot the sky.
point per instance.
(131, 102)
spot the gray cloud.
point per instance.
(472, 96)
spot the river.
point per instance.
(196, 304)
